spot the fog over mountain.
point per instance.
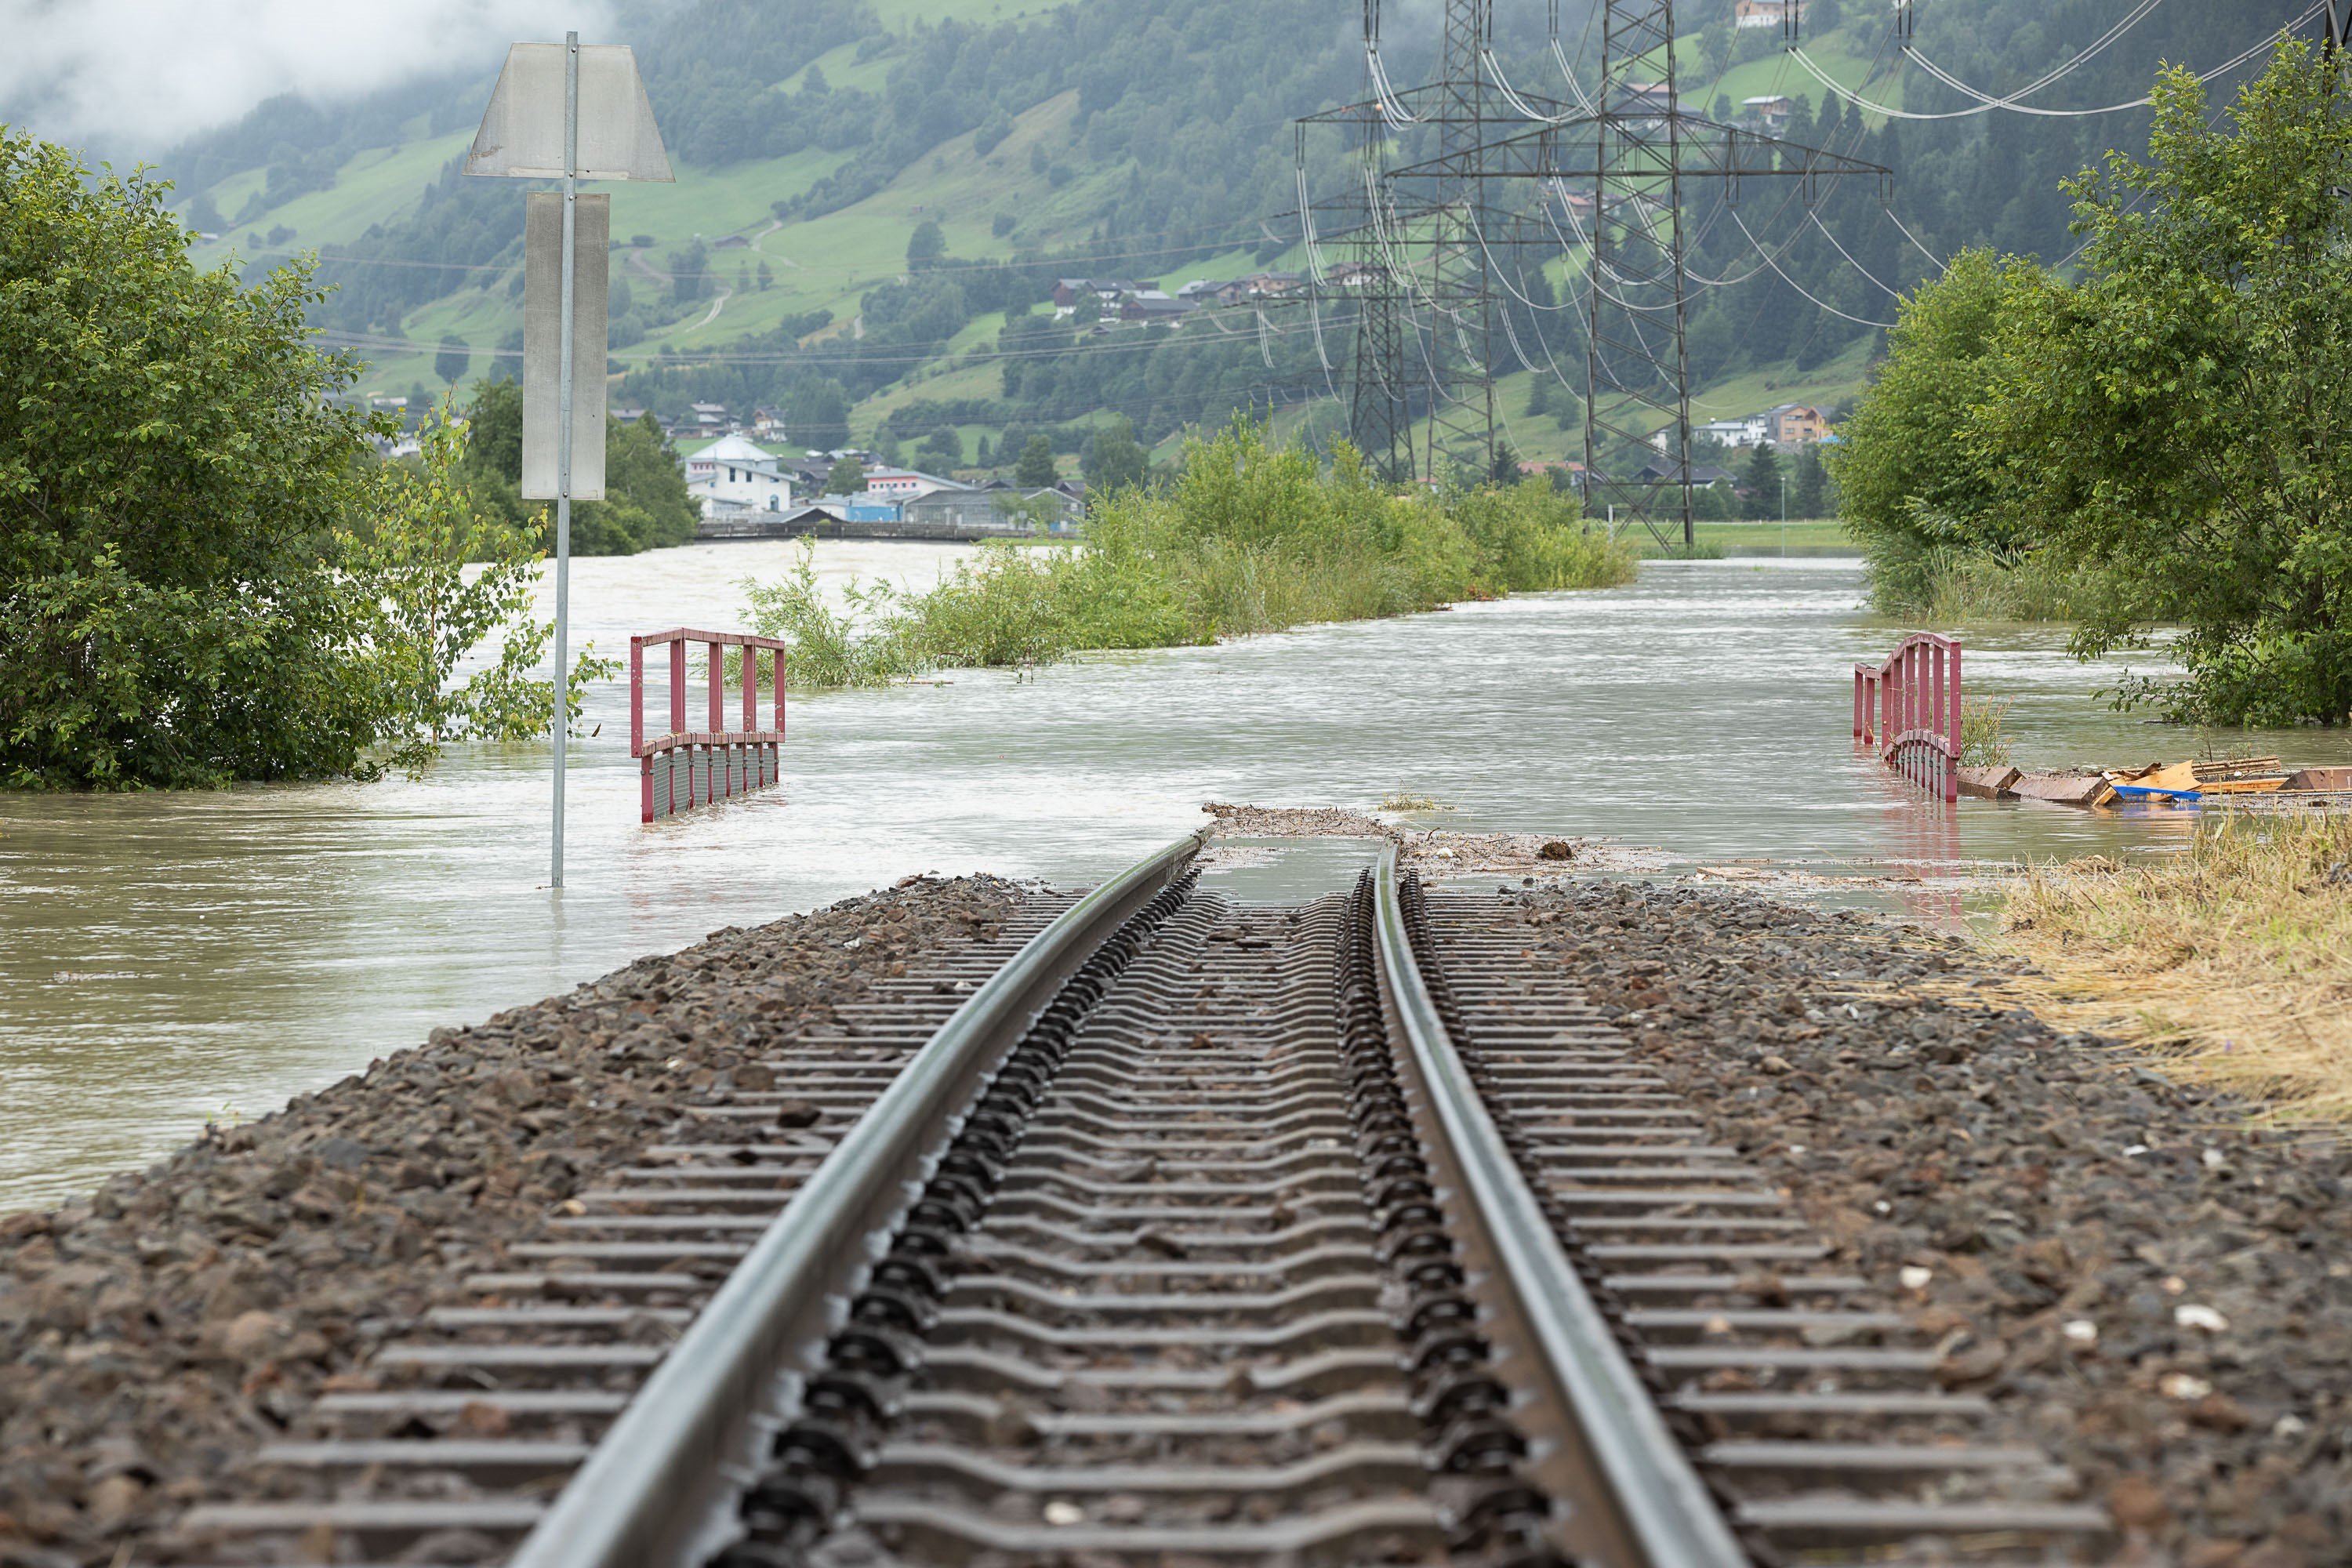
(128, 79)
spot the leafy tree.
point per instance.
(1114, 458)
(1762, 481)
(1909, 481)
(925, 246)
(646, 506)
(174, 467)
(1809, 484)
(767, 276)
(943, 449)
(2176, 419)
(819, 410)
(1538, 398)
(689, 274)
(450, 363)
(1036, 467)
(847, 477)
(413, 558)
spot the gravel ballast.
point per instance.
(2146, 1285)
(2143, 1283)
(154, 1334)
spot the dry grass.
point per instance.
(2233, 960)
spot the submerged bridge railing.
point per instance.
(1909, 707)
(681, 768)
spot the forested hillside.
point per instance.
(873, 202)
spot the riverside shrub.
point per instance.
(205, 572)
(1250, 538)
(173, 473)
(2161, 442)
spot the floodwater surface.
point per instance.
(166, 958)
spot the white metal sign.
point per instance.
(542, 345)
(522, 131)
(563, 112)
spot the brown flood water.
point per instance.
(164, 958)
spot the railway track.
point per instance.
(1165, 1230)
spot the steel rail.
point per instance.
(653, 1493)
(1663, 1505)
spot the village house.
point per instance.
(1652, 98)
(1747, 431)
(1769, 112)
(1795, 424)
(1069, 293)
(1272, 284)
(1702, 476)
(905, 484)
(731, 472)
(1765, 13)
(1152, 305)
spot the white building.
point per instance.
(1745, 431)
(1765, 13)
(731, 472)
(905, 484)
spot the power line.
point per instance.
(1800, 287)
(1989, 105)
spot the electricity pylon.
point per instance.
(1620, 165)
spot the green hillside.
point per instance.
(1139, 139)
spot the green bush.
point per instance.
(174, 469)
(1250, 538)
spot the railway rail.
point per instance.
(1167, 1229)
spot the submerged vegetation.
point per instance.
(2233, 960)
(1250, 538)
(2160, 442)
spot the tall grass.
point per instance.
(2233, 960)
(1946, 585)
(1251, 538)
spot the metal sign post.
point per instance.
(563, 369)
(601, 127)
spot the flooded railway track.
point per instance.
(1170, 1230)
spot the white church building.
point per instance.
(731, 472)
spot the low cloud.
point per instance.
(135, 77)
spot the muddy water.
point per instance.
(169, 957)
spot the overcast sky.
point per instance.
(135, 77)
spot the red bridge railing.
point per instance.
(681, 768)
(1909, 706)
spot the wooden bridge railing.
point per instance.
(1909, 706)
(681, 768)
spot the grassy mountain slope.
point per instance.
(1138, 138)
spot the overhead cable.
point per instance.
(2089, 52)
(1800, 287)
(1806, 60)
(1914, 238)
(1814, 214)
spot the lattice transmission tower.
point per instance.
(1621, 164)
